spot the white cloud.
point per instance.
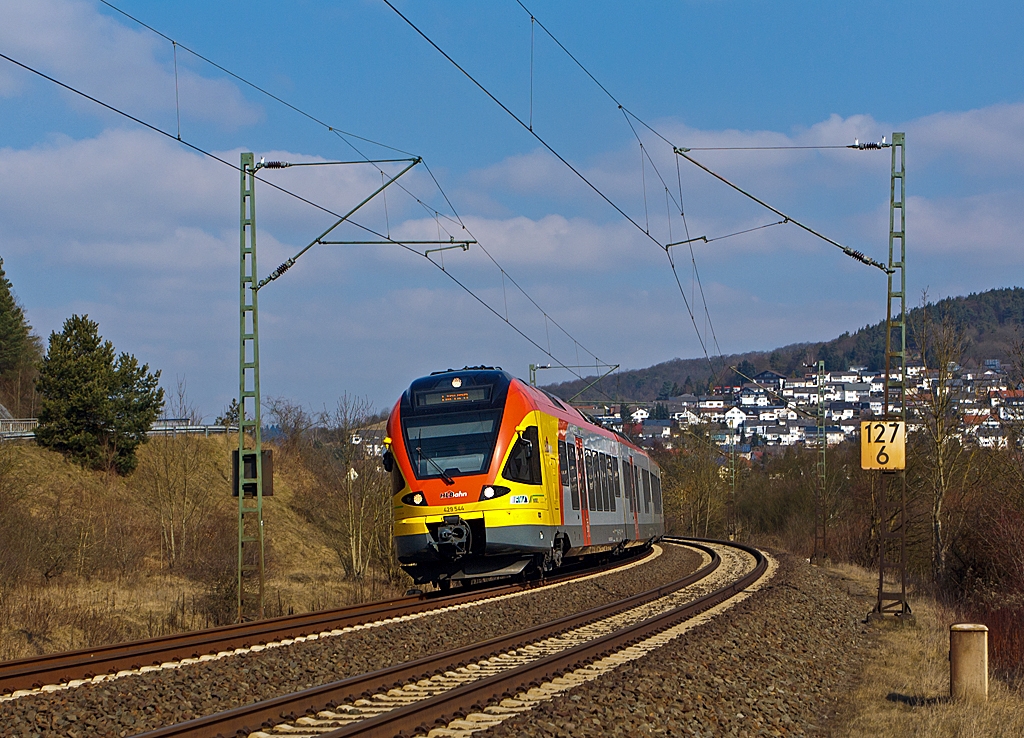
(984, 141)
(120, 65)
(550, 242)
(987, 228)
(142, 234)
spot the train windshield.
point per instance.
(450, 444)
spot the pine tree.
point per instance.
(19, 350)
(94, 410)
(135, 402)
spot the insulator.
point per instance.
(276, 165)
(858, 255)
(282, 269)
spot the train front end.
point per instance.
(465, 458)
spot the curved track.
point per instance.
(470, 688)
(75, 668)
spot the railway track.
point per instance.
(72, 669)
(477, 686)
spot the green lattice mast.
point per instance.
(250, 472)
(892, 498)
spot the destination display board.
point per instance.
(453, 396)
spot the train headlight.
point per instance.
(415, 499)
(492, 491)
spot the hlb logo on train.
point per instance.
(883, 445)
(519, 499)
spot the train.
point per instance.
(492, 477)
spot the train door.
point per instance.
(633, 498)
(584, 489)
(563, 478)
(636, 495)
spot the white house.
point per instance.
(734, 417)
(686, 417)
(712, 403)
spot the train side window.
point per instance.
(574, 482)
(656, 483)
(563, 464)
(591, 491)
(647, 491)
(523, 463)
(627, 479)
(615, 478)
(636, 487)
(605, 486)
(600, 480)
(609, 465)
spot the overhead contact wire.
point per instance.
(671, 261)
(344, 136)
(520, 121)
(545, 144)
(285, 191)
(858, 255)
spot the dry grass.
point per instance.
(71, 613)
(92, 600)
(905, 686)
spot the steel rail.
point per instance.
(422, 716)
(247, 719)
(57, 668)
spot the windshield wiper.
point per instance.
(444, 476)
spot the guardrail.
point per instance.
(26, 428)
(14, 428)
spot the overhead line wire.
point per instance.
(483, 247)
(627, 114)
(290, 193)
(520, 121)
(858, 255)
(550, 148)
(763, 148)
(344, 135)
(247, 82)
(671, 260)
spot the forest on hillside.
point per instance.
(991, 322)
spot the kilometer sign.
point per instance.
(883, 444)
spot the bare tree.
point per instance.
(297, 428)
(180, 478)
(693, 487)
(350, 500)
(15, 523)
(946, 459)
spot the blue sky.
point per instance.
(99, 215)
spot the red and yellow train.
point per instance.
(492, 477)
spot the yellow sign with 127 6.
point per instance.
(883, 444)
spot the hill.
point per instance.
(88, 558)
(991, 322)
